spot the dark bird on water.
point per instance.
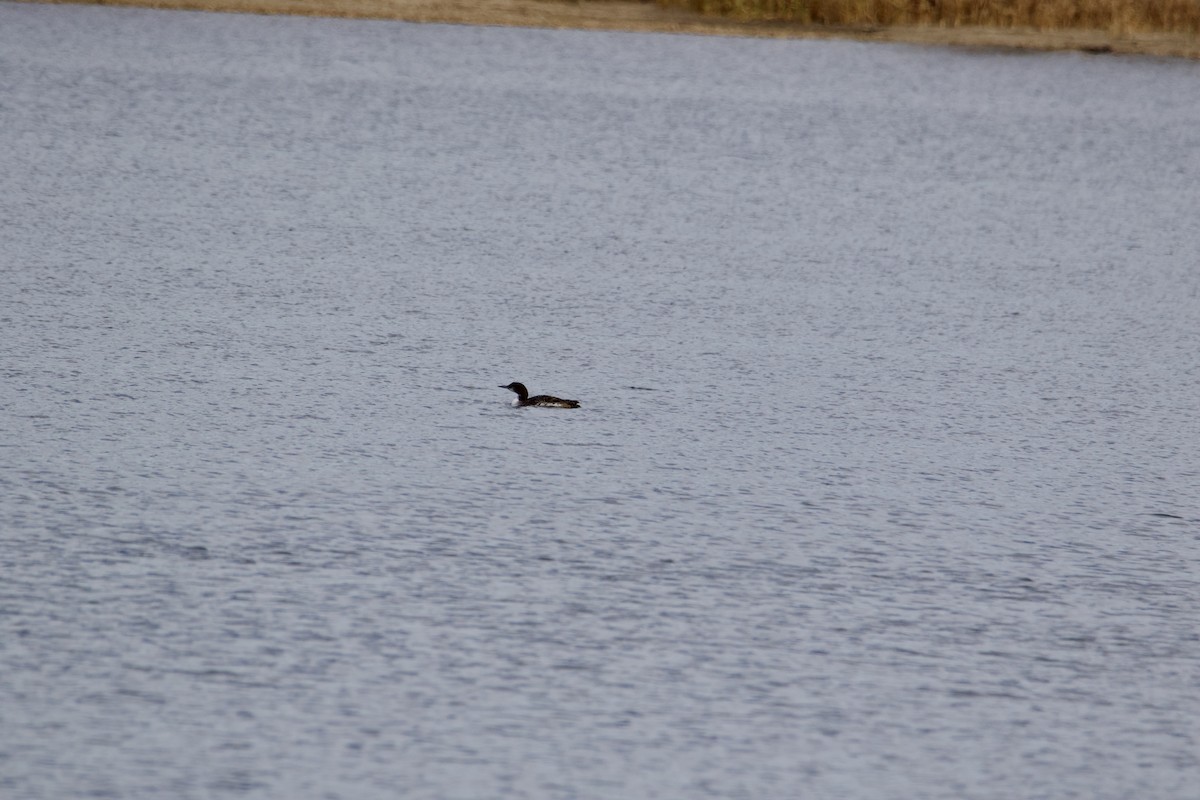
(542, 400)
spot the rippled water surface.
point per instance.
(884, 484)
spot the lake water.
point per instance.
(886, 482)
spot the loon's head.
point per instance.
(519, 388)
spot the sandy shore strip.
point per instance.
(647, 16)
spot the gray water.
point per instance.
(885, 483)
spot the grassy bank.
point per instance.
(1148, 27)
(1114, 16)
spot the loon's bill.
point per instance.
(541, 400)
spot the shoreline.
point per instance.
(630, 15)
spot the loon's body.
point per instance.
(542, 400)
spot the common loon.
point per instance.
(542, 400)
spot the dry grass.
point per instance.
(929, 22)
(1116, 16)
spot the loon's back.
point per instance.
(546, 401)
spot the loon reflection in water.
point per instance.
(541, 400)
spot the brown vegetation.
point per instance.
(1155, 27)
(1116, 16)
